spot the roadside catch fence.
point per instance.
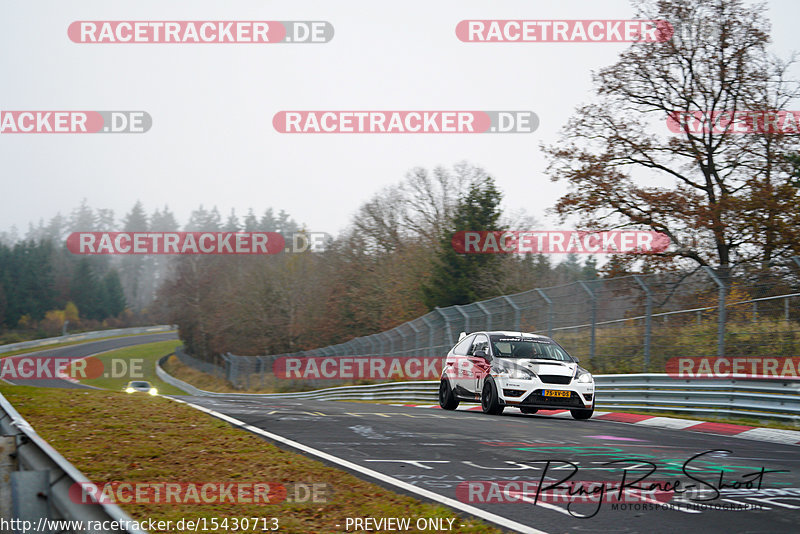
(629, 324)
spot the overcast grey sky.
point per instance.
(212, 140)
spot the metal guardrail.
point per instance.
(42, 478)
(769, 398)
(419, 390)
(773, 399)
(100, 334)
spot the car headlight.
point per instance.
(515, 373)
(583, 376)
(129, 390)
(153, 391)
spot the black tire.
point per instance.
(447, 399)
(582, 415)
(489, 399)
(529, 410)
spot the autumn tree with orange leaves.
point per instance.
(725, 199)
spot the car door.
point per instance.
(479, 366)
(458, 365)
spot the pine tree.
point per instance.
(114, 296)
(85, 291)
(464, 278)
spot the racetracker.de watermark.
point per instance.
(564, 31)
(530, 492)
(200, 31)
(52, 367)
(358, 367)
(74, 122)
(405, 122)
(775, 367)
(193, 243)
(559, 242)
(734, 122)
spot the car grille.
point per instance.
(555, 379)
(537, 398)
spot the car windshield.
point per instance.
(140, 384)
(520, 347)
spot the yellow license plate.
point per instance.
(556, 393)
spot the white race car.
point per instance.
(529, 371)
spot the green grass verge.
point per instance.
(143, 357)
(112, 436)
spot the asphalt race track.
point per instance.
(83, 350)
(437, 450)
(471, 458)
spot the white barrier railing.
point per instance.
(777, 398)
(42, 474)
(85, 336)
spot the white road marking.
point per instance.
(447, 501)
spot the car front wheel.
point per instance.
(489, 399)
(581, 415)
(447, 399)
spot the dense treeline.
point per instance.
(392, 264)
(45, 289)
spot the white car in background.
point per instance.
(529, 371)
(140, 385)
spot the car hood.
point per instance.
(540, 367)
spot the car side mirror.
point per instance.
(576, 360)
(482, 354)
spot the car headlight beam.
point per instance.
(515, 373)
(583, 376)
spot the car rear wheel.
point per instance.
(529, 410)
(447, 399)
(489, 399)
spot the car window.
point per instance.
(481, 343)
(463, 347)
(140, 384)
(517, 347)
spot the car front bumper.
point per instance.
(536, 394)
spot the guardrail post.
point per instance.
(722, 310)
(517, 314)
(549, 311)
(416, 330)
(586, 288)
(464, 315)
(446, 326)
(647, 319)
(27, 489)
(431, 344)
(488, 315)
(7, 466)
